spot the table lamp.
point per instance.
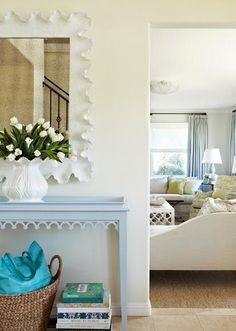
(212, 156)
(234, 166)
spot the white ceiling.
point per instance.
(201, 61)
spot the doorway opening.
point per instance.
(192, 98)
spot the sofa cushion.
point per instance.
(200, 198)
(224, 186)
(168, 197)
(217, 206)
(191, 186)
(184, 198)
(176, 186)
(219, 194)
(230, 196)
(158, 184)
(227, 182)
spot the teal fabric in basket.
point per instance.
(26, 273)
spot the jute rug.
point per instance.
(193, 289)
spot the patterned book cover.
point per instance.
(83, 292)
(86, 307)
(82, 316)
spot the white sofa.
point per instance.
(181, 202)
(206, 242)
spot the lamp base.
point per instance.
(212, 173)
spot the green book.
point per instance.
(83, 292)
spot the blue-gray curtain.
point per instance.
(197, 143)
(232, 140)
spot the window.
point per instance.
(169, 148)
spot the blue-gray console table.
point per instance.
(72, 212)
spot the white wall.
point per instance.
(120, 73)
(219, 136)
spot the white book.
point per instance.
(72, 308)
(92, 327)
(104, 325)
(83, 310)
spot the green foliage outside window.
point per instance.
(171, 164)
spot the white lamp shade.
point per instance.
(234, 166)
(212, 155)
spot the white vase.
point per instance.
(25, 182)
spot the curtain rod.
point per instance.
(179, 113)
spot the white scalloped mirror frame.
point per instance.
(73, 27)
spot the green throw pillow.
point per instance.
(176, 186)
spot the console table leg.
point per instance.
(123, 270)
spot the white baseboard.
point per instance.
(133, 309)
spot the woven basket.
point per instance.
(29, 311)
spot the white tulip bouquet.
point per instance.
(34, 141)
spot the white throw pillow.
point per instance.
(224, 186)
(199, 199)
(217, 206)
(191, 186)
(158, 184)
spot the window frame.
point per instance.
(166, 150)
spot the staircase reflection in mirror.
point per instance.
(34, 80)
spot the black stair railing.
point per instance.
(62, 97)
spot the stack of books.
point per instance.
(84, 306)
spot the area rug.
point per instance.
(193, 289)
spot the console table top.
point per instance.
(93, 203)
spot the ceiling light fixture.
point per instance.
(163, 87)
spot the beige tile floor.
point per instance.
(183, 319)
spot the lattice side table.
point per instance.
(162, 215)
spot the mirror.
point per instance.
(34, 80)
(67, 71)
